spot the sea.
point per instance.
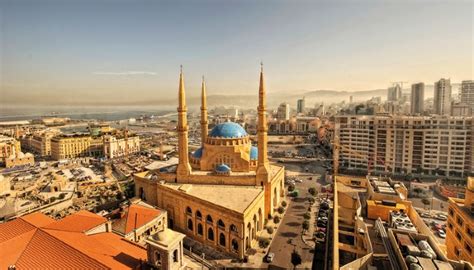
(105, 113)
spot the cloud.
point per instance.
(126, 73)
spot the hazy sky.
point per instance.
(131, 50)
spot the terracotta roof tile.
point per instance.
(38, 219)
(138, 216)
(14, 228)
(81, 221)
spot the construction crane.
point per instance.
(337, 146)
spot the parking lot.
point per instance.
(431, 220)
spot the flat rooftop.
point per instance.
(235, 198)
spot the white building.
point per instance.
(283, 112)
(115, 146)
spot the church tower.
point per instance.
(204, 123)
(263, 165)
(184, 169)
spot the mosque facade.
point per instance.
(221, 194)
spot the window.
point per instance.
(189, 211)
(450, 226)
(210, 234)
(190, 225)
(233, 228)
(175, 255)
(198, 214)
(235, 245)
(200, 229)
(221, 224)
(468, 248)
(222, 239)
(209, 219)
(469, 232)
(458, 236)
(460, 221)
(157, 258)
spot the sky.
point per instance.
(124, 50)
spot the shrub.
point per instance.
(312, 191)
(295, 194)
(281, 209)
(263, 242)
(311, 200)
(270, 230)
(276, 219)
(291, 188)
(270, 216)
(284, 204)
(307, 215)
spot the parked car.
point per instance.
(269, 257)
(442, 234)
(298, 181)
(441, 217)
(322, 224)
(425, 215)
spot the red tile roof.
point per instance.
(81, 221)
(36, 241)
(135, 217)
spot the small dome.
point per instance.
(253, 153)
(164, 235)
(223, 168)
(228, 130)
(198, 153)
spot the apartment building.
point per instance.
(467, 94)
(401, 145)
(460, 230)
(121, 145)
(70, 146)
(442, 97)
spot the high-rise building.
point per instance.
(283, 112)
(300, 105)
(403, 145)
(394, 93)
(442, 97)
(460, 229)
(467, 93)
(417, 98)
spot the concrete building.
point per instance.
(403, 145)
(18, 159)
(39, 143)
(417, 98)
(467, 93)
(8, 146)
(70, 146)
(461, 109)
(442, 97)
(283, 111)
(300, 105)
(394, 93)
(120, 145)
(5, 185)
(460, 230)
(222, 194)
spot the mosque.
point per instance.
(221, 194)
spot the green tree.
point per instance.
(307, 215)
(305, 225)
(276, 219)
(291, 188)
(281, 209)
(312, 191)
(270, 230)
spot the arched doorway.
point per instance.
(190, 225)
(141, 193)
(210, 234)
(222, 239)
(235, 245)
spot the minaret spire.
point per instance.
(204, 123)
(184, 169)
(263, 165)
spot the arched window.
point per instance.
(233, 228)
(210, 234)
(235, 245)
(198, 214)
(189, 211)
(221, 224)
(199, 229)
(209, 219)
(175, 255)
(222, 239)
(190, 224)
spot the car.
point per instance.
(441, 217)
(322, 214)
(320, 236)
(298, 180)
(269, 257)
(322, 223)
(441, 234)
(425, 215)
(322, 218)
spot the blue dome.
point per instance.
(228, 130)
(223, 168)
(253, 153)
(198, 153)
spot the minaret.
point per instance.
(204, 123)
(263, 166)
(184, 169)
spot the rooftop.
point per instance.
(221, 195)
(135, 217)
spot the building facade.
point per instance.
(119, 146)
(394, 93)
(417, 98)
(8, 146)
(283, 112)
(407, 144)
(70, 146)
(300, 105)
(442, 97)
(467, 93)
(460, 229)
(221, 194)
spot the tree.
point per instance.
(295, 259)
(307, 215)
(263, 242)
(270, 230)
(312, 191)
(291, 188)
(276, 219)
(284, 204)
(425, 201)
(305, 225)
(281, 209)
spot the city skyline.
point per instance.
(84, 50)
